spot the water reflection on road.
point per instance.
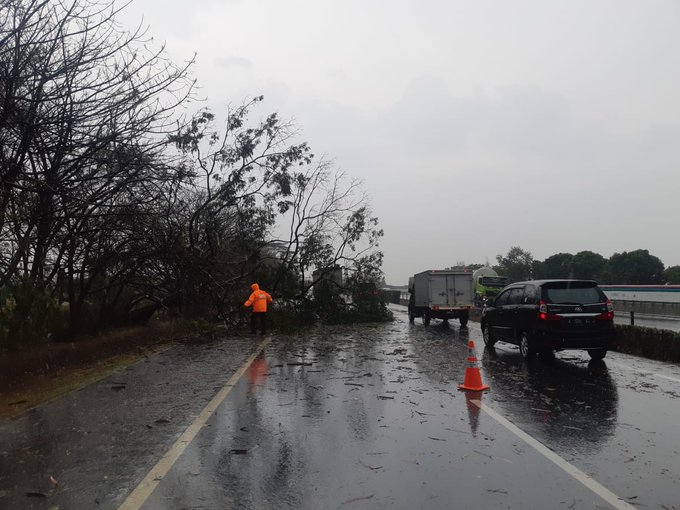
(571, 405)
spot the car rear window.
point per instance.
(578, 293)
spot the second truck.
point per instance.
(440, 294)
(487, 285)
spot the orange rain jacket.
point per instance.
(259, 299)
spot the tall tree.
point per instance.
(636, 267)
(516, 265)
(672, 275)
(555, 266)
(588, 265)
(83, 106)
(329, 228)
(241, 177)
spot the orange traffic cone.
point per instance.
(473, 377)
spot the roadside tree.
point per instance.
(517, 265)
(239, 178)
(555, 266)
(672, 275)
(637, 267)
(83, 109)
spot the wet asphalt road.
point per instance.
(352, 418)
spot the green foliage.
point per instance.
(637, 267)
(288, 317)
(588, 265)
(517, 265)
(584, 265)
(555, 266)
(672, 275)
(651, 343)
(634, 268)
(201, 330)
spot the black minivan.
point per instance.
(543, 316)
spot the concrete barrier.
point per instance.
(648, 307)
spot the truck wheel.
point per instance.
(411, 315)
(426, 317)
(464, 319)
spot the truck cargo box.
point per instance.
(441, 294)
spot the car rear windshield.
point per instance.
(579, 293)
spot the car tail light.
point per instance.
(544, 315)
(605, 316)
(608, 315)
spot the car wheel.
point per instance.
(426, 318)
(526, 347)
(411, 315)
(489, 341)
(597, 354)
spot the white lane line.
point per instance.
(570, 469)
(667, 377)
(643, 372)
(146, 487)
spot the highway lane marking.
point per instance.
(644, 372)
(570, 469)
(146, 487)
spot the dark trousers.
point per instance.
(260, 317)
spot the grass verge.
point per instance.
(29, 378)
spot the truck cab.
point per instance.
(488, 288)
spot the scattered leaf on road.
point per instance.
(36, 495)
(353, 500)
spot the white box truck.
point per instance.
(441, 294)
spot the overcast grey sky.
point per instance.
(475, 125)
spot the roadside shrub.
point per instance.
(659, 344)
(201, 330)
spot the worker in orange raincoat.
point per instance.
(258, 300)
